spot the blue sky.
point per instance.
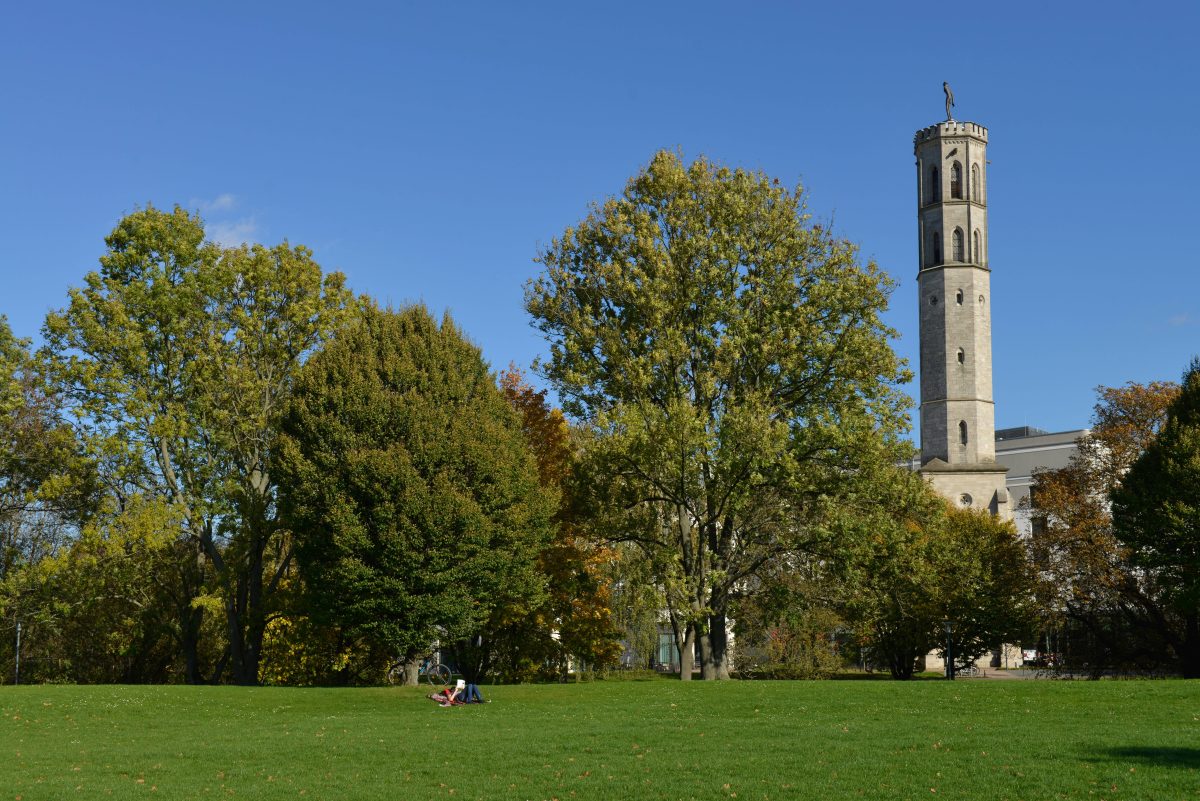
(428, 150)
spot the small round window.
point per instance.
(933, 300)
(964, 499)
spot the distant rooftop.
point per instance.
(1019, 432)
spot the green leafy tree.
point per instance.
(102, 607)
(177, 357)
(411, 492)
(637, 604)
(47, 485)
(1156, 515)
(731, 360)
(48, 489)
(911, 561)
(790, 628)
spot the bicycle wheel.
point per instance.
(438, 675)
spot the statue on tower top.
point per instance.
(949, 100)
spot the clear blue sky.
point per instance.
(426, 150)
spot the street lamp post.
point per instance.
(949, 624)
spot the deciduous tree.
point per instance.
(730, 358)
(911, 561)
(1087, 587)
(47, 485)
(574, 622)
(1156, 516)
(411, 492)
(176, 358)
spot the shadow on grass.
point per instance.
(1161, 756)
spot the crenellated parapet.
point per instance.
(950, 128)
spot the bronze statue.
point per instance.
(949, 99)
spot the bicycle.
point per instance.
(430, 668)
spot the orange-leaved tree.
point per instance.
(1087, 588)
(574, 623)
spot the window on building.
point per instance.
(935, 188)
(958, 245)
(937, 248)
(978, 253)
(975, 182)
(958, 297)
(962, 356)
(962, 432)
(956, 181)
(666, 649)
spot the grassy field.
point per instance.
(984, 739)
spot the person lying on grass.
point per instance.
(462, 693)
(468, 693)
(445, 697)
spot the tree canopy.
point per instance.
(1098, 606)
(175, 359)
(911, 561)
(410, 490)
(730, 357)
(1156, 515)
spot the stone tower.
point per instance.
(958, 448)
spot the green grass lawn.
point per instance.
(983, 739)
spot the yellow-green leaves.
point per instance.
(731, 357)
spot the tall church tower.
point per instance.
(958, 448)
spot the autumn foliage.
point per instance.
(1099, 610)
(575, 622)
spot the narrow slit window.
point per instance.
(975, 182)
(937, 248)
(962, 432)
(935, 189)
(958, 297)
(978, 258)
(956, 181)
(962, 356)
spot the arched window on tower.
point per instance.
(976, 251)
(975, 182)
(937, 248)
(935, 188)
(962, 432)
(959, 245)
(956, 177)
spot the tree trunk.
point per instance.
(901, 665)
(246, 617)
(412, 670)
(714, 650)
(687, 653)
(234, 602)
(190, 620)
